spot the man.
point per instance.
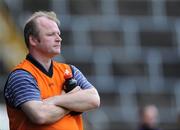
(149, 116)
(34, 91)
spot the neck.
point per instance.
(43, 60)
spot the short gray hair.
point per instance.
(31, 27)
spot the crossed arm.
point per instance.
(54, 108)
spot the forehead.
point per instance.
(46, 23)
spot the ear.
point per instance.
(32, 40)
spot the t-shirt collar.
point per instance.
(49, 73)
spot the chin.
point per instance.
(57, 53)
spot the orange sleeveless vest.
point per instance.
(48, 86)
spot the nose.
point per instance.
(58, 39)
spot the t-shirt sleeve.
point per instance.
(81, 79)
(20, 88)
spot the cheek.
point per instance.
(45, 43)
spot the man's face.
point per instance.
(150, 116)
(49, 40)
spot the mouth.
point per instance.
(57, 45)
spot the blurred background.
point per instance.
(129, 50)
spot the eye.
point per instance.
(50, 34)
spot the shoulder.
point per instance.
(17, 77)
(19, 73)
(74, 68)
(23, 64)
